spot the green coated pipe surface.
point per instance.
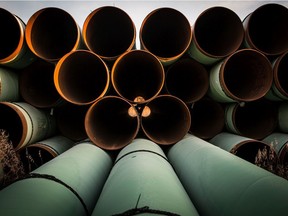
(283, 117)
(219, 183)
(67, 185)
(143, 181)
(9, 82)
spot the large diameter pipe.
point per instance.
(9, 82)
(142, 181)
(14, 50)
(25, 123)
(165, 119)
(217, 33)
(279, 88)
(166, 33)
(266, 29)
(256, 119)
(112, 122)
(245, 75)
(51, 33)
(81, 77)
(243, 147)
(70, 184)
(138, 76)
(36, 154)
(187, 79)
(283, 117)
(109, 32)
(37, 87)
(219, 183)
(207, 118)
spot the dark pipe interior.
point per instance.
(109, 125)
(109, 31)
(218, 31)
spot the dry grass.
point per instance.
(11, 165)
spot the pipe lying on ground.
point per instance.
(142, 181)
(69, 184)
(138, 76)
(217, 33)
(36, 154)
(37, 86)
(219, 183)
(25, 123)
(70, 121)
(266, 29)
(81, 77)
(187, 79)
(279, 88)
(9, 83)
(279, 141)
(14, 50)
(166, 33)
(51, 33)
(243, 147)
(245, 75)
(207, 118)
(165, 119)
(112, 122)
(109, 32)
(256, 119)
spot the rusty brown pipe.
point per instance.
(266, 29)
(207, 118)
(81, 77)
(138, 76)
(51, 33)
(14, 50)
(217, 33)
(187, 79)
(166, 33)
(37, 86)
(109, 32)
(112, 122)
(165, 119)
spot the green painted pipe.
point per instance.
(69, 184)
(245, 75)
(256, 119)
(266, 29)
(143, 181)
(9, 82)
(219, 183)
(14, 50)
(166, 33)
(244, 147)
(217, 33)
(283, 117)
(109, 32)
(51, 33)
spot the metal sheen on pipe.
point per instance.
(165, 119)
(166, 33)
(142, 181)
(187, 79)
(256, 119)
(246, 75)
(37, 86)
(14, 50)
(9, 83)
(70, 184)
(109, 32)
(219, 183)
(81, 77)
(217, 33)
(243, 147)
(112, 122)
(138, 76)
(266, 29)
(51, 33)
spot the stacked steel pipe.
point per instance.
(73, 99)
